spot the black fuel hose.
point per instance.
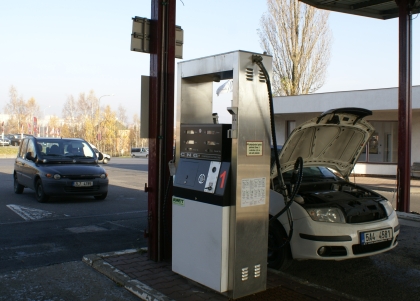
(259, 61)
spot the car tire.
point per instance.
(279, 259)
(40, 195)
(106, 161)
(101, 197)
(17, 187)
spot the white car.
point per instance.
(4, 141)
(140, 152)
(106, 157)
(330, 217)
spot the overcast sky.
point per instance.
(51, 49)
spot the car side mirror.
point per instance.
(100, 156)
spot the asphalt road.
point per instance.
(40, 239)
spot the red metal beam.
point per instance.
(161, 127)
(404, 107)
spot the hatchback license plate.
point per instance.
(83, 184)
(376, 236)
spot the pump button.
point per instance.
(214, 169)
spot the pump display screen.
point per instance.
(205, 142)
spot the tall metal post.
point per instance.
(161, 127)
(404, 106)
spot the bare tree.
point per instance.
(299, 39)
(88, 105)
(121, 115)
(16, 108)
(70, 115)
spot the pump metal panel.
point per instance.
(250, 155)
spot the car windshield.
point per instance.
(64, 148)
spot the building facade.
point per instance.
(381, 154)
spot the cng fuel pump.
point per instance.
(221, 186)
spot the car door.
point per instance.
(30, 170)
(20, 162)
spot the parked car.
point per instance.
(139, 152)
(5, 141)
(59, 167)
(106, 157)
(331, 218)
(15, 139)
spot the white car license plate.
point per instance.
(376, 236)
(83, 184)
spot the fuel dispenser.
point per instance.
(221, 185)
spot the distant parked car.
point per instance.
(59, 167)
(106, 157)
(5, 141)
(15, 139)
(140, 152)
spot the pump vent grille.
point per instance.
(261, 77)
(249, 73)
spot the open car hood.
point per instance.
(335, 140)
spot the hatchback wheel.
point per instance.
(18, 188)
(106, 160)
(39, 192)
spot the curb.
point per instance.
(136, 287)
(379, 188)
(409, 216)
(388, 189)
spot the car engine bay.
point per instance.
(358, 205)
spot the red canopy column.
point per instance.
(161, 127)
(404, 106)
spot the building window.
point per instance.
(383, 144)
(290, 126)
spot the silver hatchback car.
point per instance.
(139, 152)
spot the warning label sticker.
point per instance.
(254, 148)
(253, 192)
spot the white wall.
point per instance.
(375, 100)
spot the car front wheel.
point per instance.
(18, 188)
(40, 193)
(106, 160)
(279, 254)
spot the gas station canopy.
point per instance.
(379, 9)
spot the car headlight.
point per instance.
(329, 214)
(103, 176)
(57, 176)
(388, 207)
